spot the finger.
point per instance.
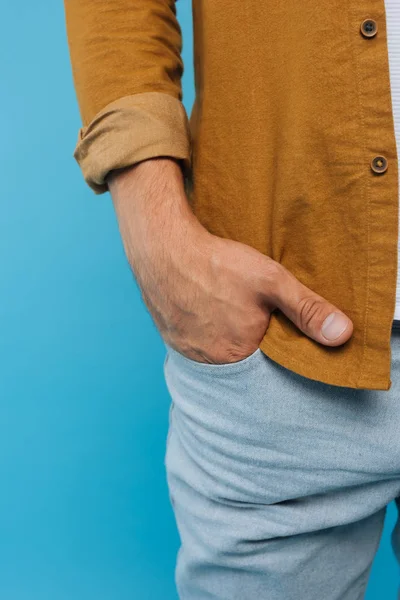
(312, 314)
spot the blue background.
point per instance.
(84, 509)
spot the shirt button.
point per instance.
(369, 28)
(379, 164)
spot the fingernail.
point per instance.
(333, 326)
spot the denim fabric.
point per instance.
(279, 483)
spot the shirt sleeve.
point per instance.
(127, 68)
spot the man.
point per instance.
(263, 234)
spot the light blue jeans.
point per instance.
(279, 484)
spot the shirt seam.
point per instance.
(294, 361)
(366, 195)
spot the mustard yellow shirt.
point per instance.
(289, 148)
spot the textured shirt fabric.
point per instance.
(292, 105)
(393, 26)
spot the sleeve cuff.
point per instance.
(129, 130)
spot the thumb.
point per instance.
(312, 314)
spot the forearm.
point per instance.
(151, 206)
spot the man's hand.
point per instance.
(211, 298)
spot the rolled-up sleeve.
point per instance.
(127, 69)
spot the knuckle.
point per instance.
(272, 270)
(271, 279)
(309, 309)
(235, 352)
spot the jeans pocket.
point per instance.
(212, 368)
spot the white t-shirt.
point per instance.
(393, 34)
